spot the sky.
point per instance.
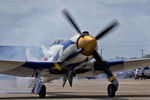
(35, 22)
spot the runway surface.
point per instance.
(83, 89)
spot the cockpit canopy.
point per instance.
(57, 41)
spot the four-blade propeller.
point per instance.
(87, 42)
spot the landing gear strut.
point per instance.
(37, 86)
(113, 87)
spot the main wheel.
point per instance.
(42, 92)
(111, 90)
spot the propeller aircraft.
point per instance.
(72, 58)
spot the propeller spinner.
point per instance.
(87, 43)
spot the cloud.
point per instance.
(124, 2)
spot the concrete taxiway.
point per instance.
(84, 89)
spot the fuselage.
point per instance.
(67, 51)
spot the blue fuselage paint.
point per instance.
(66, 43)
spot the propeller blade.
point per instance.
(106, 30)
(102, 64)
(70, 19)
(98, 58)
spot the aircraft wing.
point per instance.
(128, 65)
(115, 66)
(23, 68)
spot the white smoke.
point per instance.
(52, 51)
(14, 85)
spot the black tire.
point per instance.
(111, 90)
(42, 92)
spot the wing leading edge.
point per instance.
(117, 66)
(25, 69)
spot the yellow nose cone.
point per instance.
(88, 44)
